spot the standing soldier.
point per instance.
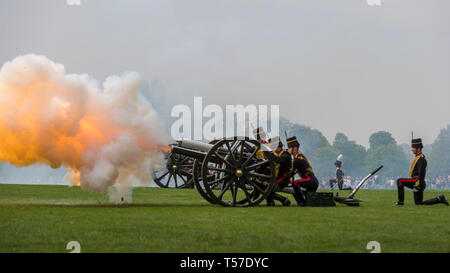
(301, 165)
(416, 180)
(339, 178)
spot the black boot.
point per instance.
(298, 195)
(398, 203)
(437, 200)
(443, 200)
(401, 193)
(269, 200)
(284, 201)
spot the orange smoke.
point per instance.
(164, 148)
(103, 135)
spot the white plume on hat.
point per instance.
(339, 158)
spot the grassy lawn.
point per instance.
(45, 218)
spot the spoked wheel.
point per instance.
(198, 178)
(177, 172)
(240, 177)
(199, 182)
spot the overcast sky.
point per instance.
(337, 66)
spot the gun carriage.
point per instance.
(236, 171)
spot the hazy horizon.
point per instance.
(334, 66)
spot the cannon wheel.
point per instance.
(198, 179)
(177, 172)
(240, 173)
(198, 182)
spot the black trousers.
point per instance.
(281, 182)
(309, 183)
(275, 196)
(418, 193)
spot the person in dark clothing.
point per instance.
(339, 179)
(282, 169)
(416, 179)
(303, 168)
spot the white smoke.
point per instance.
(105, 135)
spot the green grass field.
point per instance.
(45, 218)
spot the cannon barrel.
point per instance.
(200, 155)
(199, 150)
(205, 147)
(195, 145)
(188, 152)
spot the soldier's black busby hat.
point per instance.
(292, 142)
(259, 133)
(416, 143)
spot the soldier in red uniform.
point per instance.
(302, 167)
(416, 179)
(282, 165)
(283, 170)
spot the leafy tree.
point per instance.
(310, 139)
(381, 138)
(323, 161)
(313, 144)
(439, 159)
(354, 155)
(385, 151)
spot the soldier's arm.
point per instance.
(421, 166)
(300, 164)
(277, 159)
(286, 157)
(283, 158)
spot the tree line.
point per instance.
(359, 160)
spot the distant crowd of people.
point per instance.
(379, 182)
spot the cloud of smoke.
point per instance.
(105, 135)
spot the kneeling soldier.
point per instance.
(301, 165)
(282, 169)
(416, 180)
